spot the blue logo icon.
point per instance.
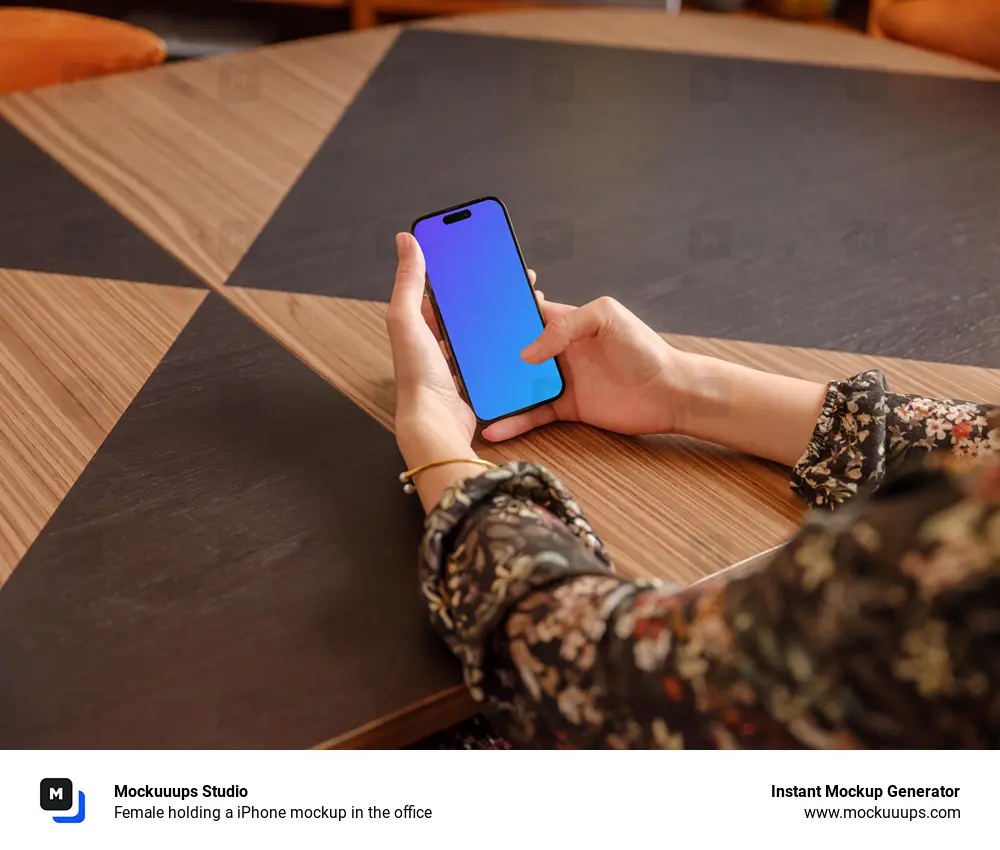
(56, 795)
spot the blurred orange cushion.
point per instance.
(968, 29)
(41, 47)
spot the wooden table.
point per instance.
(200, 524)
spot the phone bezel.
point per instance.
(456, 367)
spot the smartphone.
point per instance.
(478, 285)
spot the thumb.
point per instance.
(408, 291)
(589, 320)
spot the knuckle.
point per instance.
(608, 305)
(560, 326)
(609, 313)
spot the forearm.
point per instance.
(492, 541)
(759, 413)
(892, 601)
(837, 437)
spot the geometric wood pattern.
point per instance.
(218, 584)
(694, 192)
(73, 354)
(670, 531)
(223, 519)
(54, 223)
(671, 535)
(199, 154)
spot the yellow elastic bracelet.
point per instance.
(407, 477)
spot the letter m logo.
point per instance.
(56, 795)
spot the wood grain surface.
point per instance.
(671, 532)
(73, 354)
(235, 562)
(655, 500)
(235, 568)
(409, 724)
(51, 222)
(198, 154)
(713, 35)
(712, 196)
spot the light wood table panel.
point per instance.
(655, 500)
(714, 35)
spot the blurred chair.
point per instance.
(967, 29)
(41, 47)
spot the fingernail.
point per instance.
(400, 244)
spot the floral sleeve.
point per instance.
(865, 431)
(876, 626)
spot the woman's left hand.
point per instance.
(433, 422)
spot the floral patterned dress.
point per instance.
(877, 625)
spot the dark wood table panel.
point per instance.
(234, 568)
(819, 206)
(51, 222)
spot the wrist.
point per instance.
(432, 483)
(421, 442)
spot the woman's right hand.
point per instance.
(620, 374)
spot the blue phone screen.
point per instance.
(487, 307)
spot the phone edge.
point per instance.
(484, 423)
